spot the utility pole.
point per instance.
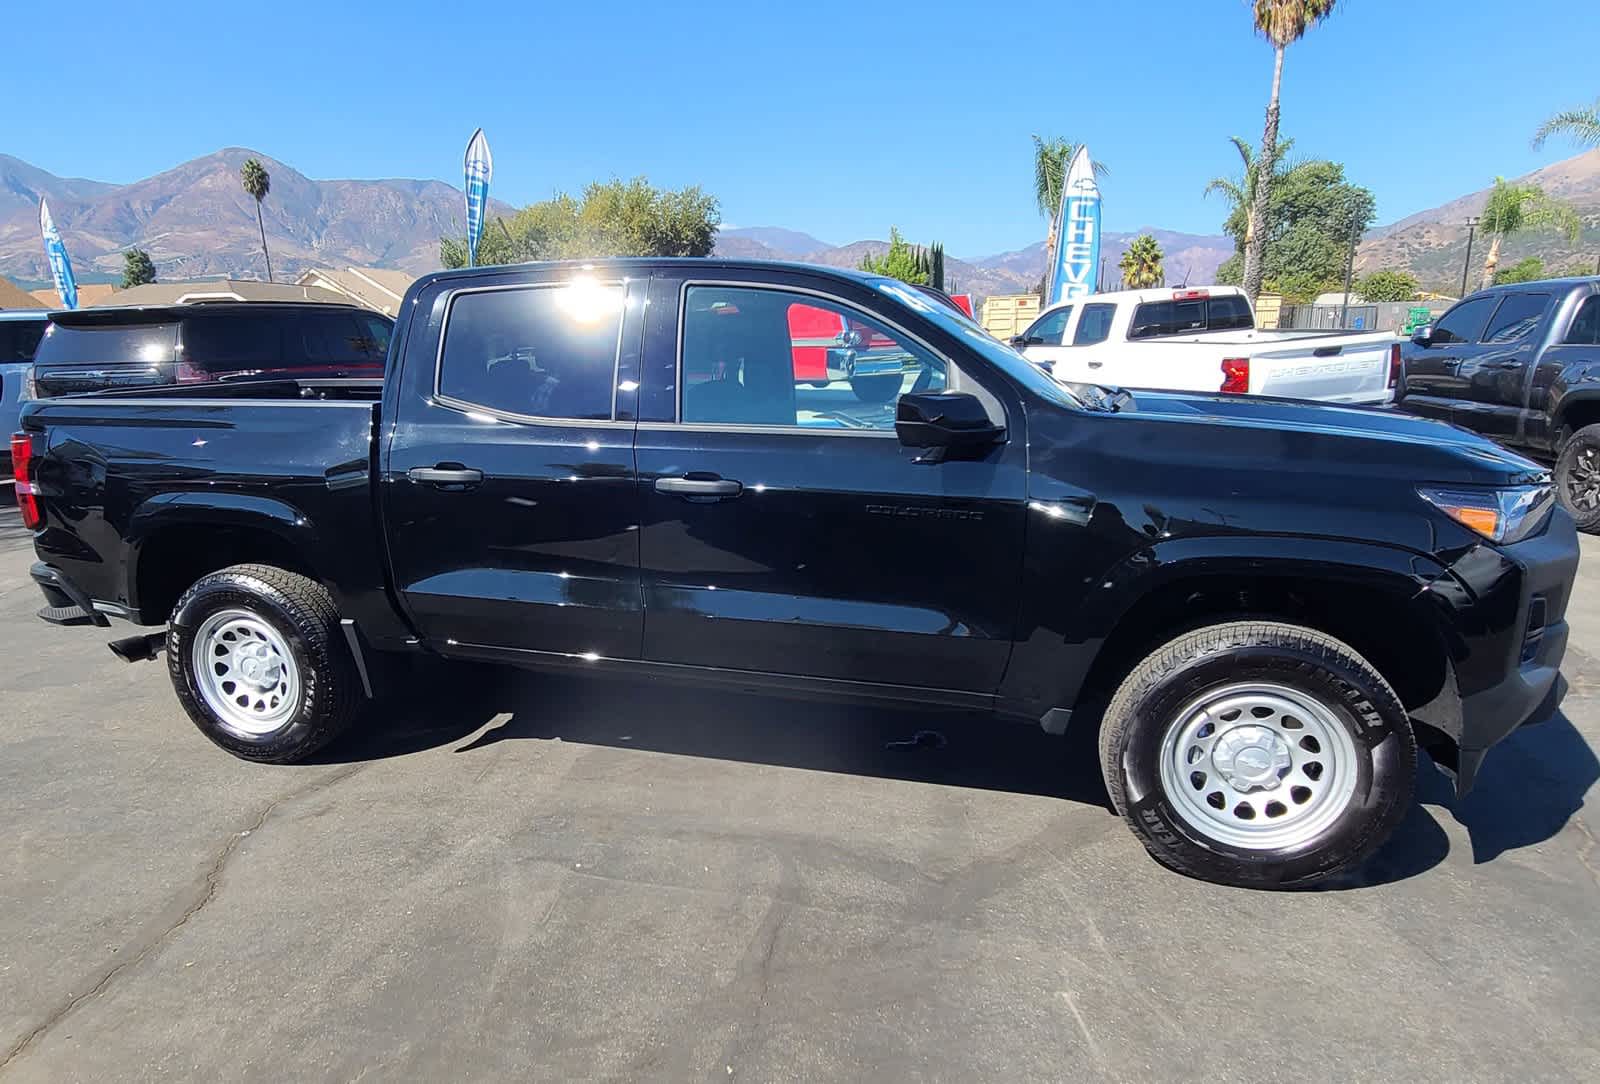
(1349, 276)
(1472, 228)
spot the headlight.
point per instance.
(1500, 515)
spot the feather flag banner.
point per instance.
(56, 253)
(479, 167)
(1075, 270)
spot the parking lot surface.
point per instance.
(519, 876)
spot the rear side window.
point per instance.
(541, 351)
(1229, 313)
(1516, 318)
(233, 342)
(1094, 326)
(1585, 329)
(19, 339)
(97, 344)
(337, 337)
(1462, 323)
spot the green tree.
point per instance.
(1141, 264)
(1528, 270)
(257, 183)
(936, 265)
(903, 261)
(611, 218)
(1281, 22)
(1515, 207)
(1311, 218)
(1581, 125)
(1240, 191)
(137, 268)
(1388, 286)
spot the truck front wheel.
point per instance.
(1258, 754)
(1578, 477)
(257, 661)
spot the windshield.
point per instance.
(1000, 355)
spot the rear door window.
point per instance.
(1585, 329)
(1094, 326)
(98, 344)
(233, 342)
(1516, 318)
(19, 339)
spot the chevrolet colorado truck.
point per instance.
(1261, 608)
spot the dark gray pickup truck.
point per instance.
(1520, 364)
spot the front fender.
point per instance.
(1067, 622)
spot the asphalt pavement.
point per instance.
(523, 877)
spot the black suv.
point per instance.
(1520, 364)
(105, 348)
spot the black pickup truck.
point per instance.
(1263, 606)
(1520, 364)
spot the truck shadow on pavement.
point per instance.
(1528, 789)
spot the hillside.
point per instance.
(1432, 244)
(197, 222)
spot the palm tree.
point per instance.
(1051, 159)
(1241, 191)
(1141, 264)
(1282, 22)
(257, 183)
(1582, 125)
(1513, 208)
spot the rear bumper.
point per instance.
(65, 603)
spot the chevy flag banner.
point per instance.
(480, 169)
(56, 253)
(1076, 267)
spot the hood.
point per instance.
(1382, 425)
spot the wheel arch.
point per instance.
(1576, 410)
(175, 539)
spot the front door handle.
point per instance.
(445, 475)
(714, 488)
(1096, 364)
(1503, 365)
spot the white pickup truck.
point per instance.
(1206, 340)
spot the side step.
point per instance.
(66, 615)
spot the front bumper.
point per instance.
(1514, 638)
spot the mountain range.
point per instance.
(196, 222)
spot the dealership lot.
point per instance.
(520, 875)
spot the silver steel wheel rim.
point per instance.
(245, 672)
(1258, 766)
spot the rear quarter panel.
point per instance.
(117, 476)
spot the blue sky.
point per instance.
(833, 118)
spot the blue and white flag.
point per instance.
(56, 253)
(480, 169)
(1076, 267)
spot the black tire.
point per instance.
(1157, 697)
(1576, 485)
(303, 614)
(877, 388)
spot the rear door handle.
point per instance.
(1503, 365)
(445, 476)
(714, 488)
(1096, 364)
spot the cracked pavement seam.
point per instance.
(208, 885)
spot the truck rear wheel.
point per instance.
(257, 661)
(1258, 754)
(1578, 477)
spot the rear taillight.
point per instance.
(22, 471)
(1394, 366)
(184, 373)
(1236, 375)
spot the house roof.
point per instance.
(89, 293)
(180, 293)
(376, 288)
(13, 296)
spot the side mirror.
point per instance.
(945, 422)
(1020, 341)
(1423, 336)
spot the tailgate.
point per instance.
(1329, 370)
